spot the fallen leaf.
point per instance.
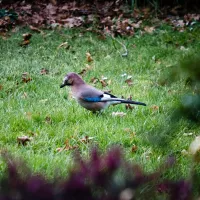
(1, 87)
(129, 107)
(68, 146)
(64, 45)
(59, 149)
(72, 22)
(48, 120)
(25, 43)
(24, 95)
(120, 114)
(149, 29)
(137, 25)
(84, 70)
(134, 148)
(129, 81)
(54, 2)
(26, 77)
(26, 39)
(28, 115)
(103, 83)
(33, 28)
(44, 71)
(23, 140)
(155, 108)
(94, 80)
(27, 36)
(86, 139)
(89, 57)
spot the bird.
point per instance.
(90, 97)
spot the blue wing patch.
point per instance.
(92, 99)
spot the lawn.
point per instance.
(39, 109)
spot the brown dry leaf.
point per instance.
(72, 22)
(59, 149)
(54, 2)
(134, 148)
(149, 29)
(33, 28)
(89, 57)
(48, 120)
(137, 25)
(23, 140)
(84, 70)
(44, 71)
(27, 36)
(86, 139)
(64, 45)
(129, 82)
(26, 77)
(1, 87)
(68, 146)
(26, 39)
(28, 115)
(25, 43)
(155, 108)
(94, 80)
(175, 10)
(129, 107)
(120, 114)
(103, 83)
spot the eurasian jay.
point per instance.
(89, 97)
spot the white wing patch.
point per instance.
(106, 97)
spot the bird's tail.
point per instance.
(118, 100)
(133, 102)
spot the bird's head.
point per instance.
(71, 79)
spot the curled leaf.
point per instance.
(134, 148)
(44, 71)
(89, 57)
(86, 139)
(64, 45)
(129, 107)
(33, 28)
(94, 80)
(26, 77)
(155, 108)
(27, 36)
(23, 140)
(103, 83)
(84, 70)
(48, 120)
(26, 39)
(120, 114)
(129, 81)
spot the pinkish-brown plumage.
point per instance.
(89, 97)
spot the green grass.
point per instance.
(25, 106)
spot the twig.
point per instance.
(123, 45)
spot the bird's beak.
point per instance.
(63, 85)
